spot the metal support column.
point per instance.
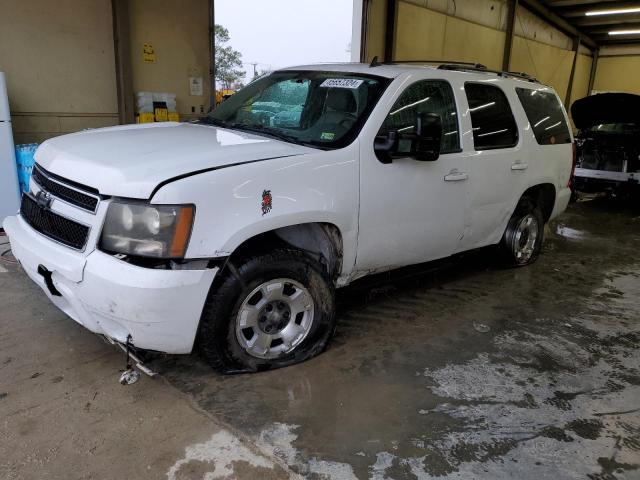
(594, 68)
(212, 55)
(512, 6)
(576, 48)
(366, 5)
(390, 30)
(121, 45)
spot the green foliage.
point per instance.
(228, 62)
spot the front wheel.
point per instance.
(522, 239)
(274, 310)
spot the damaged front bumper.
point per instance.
(159, 309)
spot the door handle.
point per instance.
(519, 166)
(455, 176)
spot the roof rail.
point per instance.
(482, 68)
(461, 66)
(376, 63)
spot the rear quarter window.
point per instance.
(491, 117)
(545, 115)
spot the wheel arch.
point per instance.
(322, 240)
(544, 195)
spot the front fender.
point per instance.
(320, 186)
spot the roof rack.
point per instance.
(482, 68)
(460, 66)
(376, 63)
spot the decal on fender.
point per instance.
(267, 201)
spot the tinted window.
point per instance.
(427, 96)
(491, 117)
(545, 116)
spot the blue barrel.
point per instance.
(25, 160)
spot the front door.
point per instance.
(413, 211)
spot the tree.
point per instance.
(228, 62)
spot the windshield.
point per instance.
(319, 109)
(619, 128)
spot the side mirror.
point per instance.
(422, 144)
(386, 146)
(428, 137)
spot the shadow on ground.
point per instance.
(466, 372)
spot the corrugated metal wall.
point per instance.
(474, 31)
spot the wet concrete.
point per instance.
(468, 372)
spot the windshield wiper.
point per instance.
(211, 121)
(272, 132)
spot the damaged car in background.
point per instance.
(608, 143)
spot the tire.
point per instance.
(523, 237)
(282, 294)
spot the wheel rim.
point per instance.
(525, 238)
(274, 318)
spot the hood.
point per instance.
(131, 160)
(606, 108)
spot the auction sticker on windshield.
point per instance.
(341, 83)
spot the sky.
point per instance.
(281, 33)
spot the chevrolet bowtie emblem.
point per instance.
(43, 199)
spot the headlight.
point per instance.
(159, 231)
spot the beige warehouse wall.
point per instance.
(581, 77)
(444, 37)
(549, 64)
(179, 34)
(375, 28)
(474, 31)
(618, 74)
(59, 61)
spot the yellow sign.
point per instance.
(148, 53)
(146, 118)
(162, 115)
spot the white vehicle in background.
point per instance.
(233, 232)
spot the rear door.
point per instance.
(497, 169)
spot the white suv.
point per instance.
(233, 232)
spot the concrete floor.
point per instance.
(468, 372)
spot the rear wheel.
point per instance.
(274, 310)
(522, 239)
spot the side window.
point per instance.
(491, 117)
(545, 116)
(430, 96)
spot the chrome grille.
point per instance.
(62, 189)
(52, 225)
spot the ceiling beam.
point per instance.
(554, 19)
(598, 29)
(619, 20)
(581, 10)
(573, 3)
(604, 38)
(620, 41)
